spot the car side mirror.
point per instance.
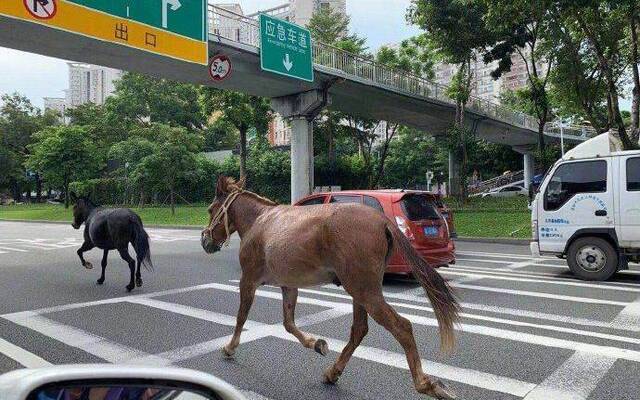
(113, 382)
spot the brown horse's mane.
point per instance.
(233, 186)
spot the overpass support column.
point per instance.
(301, 109)
(529, 169)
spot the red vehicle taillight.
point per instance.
(404, 228)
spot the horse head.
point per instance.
(221, 227)
(81, 209)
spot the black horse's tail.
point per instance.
(141, 245)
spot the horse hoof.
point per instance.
(331, 375)
(139, 282)
(321, 347)
(438, 390)
(227, 352)
(87, 265)
(100, 281)
(130, 288)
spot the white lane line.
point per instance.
(629, 317)
(78, 338)
(470, 377)
(566, 319)
(523, 278)
(575, 379)
(561, 277)
(517, 336)
(534, 263)
(257, 330)
(553, 328)
(22, 356)
(541, 295)
(12, 249)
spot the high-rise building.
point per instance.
(57, 104)
(483, 85)
(300, 11)
(90, 83)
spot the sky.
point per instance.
(35, 76)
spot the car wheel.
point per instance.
(592, 259)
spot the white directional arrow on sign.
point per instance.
(175, 4)
(287, 62)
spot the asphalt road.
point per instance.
(529, 330)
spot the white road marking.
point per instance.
(554, 328)
(517, 336)
(629, 317)
(78, 338)
(576, 299)
(575, 379)
(471, 377)
(11, 249)
(22, 356)
(523, 278)
(256, 330)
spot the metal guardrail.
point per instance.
(241, 29)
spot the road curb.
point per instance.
(514, 241)
(154, 226)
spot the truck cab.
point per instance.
(587, 209)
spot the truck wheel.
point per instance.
(592, 259)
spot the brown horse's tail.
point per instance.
(440, 294)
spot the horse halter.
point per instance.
(223, 214)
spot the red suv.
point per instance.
(419, 215)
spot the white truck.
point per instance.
(587, 209)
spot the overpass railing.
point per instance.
(245, 30)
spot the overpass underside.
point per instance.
(348, 93)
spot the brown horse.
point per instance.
(348, 244)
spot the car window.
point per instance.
(633, 174)
(344, 198)
(571, 179)
(373, 202)
(419, 207)
(313, 201)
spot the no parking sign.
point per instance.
(41, 9)
(220, 67)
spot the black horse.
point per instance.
(112, 229)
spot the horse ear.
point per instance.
(221, 187)
(242, 182)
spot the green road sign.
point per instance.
(182, 17)
(285, 48)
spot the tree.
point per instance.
(240, 110)
(603, 23)
(522, 28)
(64, 154)
(414, 55)
(456, 30)
(19, 120)
(328, 25)
(129, 154)
(140, 99)
(173, 159)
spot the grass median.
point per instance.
(484, 218)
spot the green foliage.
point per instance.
(142, 99)
(328, 25)
(64, 154)
(414, 55)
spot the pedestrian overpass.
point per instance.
(347, 82)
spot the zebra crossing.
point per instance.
(528, 330)
(29, 245)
